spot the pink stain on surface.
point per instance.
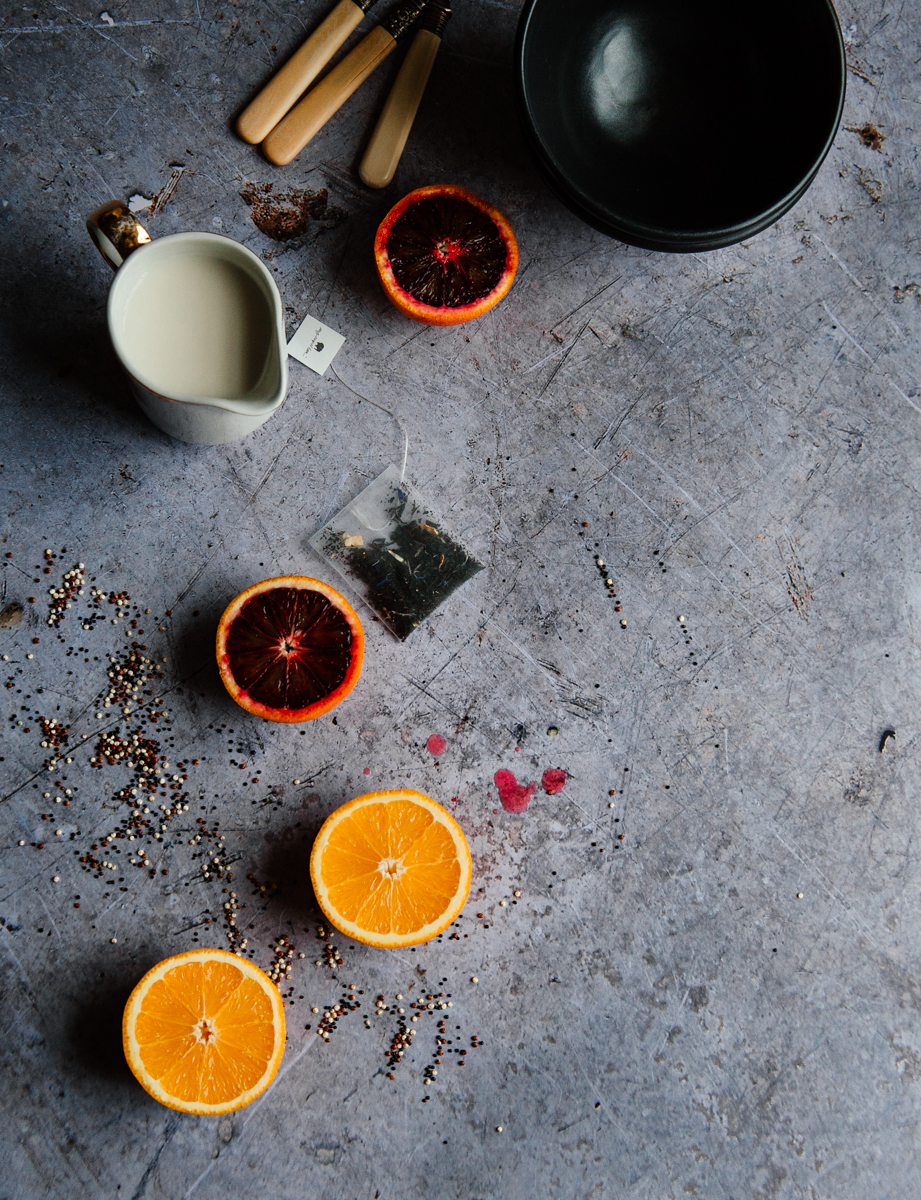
(554, 780)
(367, 770)
(515, 796)
(436, 745)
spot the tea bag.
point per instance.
(393, 549)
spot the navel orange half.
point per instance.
(290, 648)
(204, 1032)
(444, 256)
(391, 868)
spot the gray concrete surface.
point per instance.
(727, 1003)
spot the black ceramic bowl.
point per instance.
(675, 125)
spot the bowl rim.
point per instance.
(650, 236)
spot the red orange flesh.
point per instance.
(444, 256)
(289, 649)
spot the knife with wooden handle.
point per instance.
(388, 140)
(306, 119)
(287, 86)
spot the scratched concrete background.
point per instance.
(725, 1003)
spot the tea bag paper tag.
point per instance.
(315, 344)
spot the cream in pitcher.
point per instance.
(196, 320)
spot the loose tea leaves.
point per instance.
(390, 545)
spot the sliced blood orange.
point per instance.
(444, 255)
(204, 1032)
(391, 868)
(290, 648)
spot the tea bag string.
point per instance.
(383, 408)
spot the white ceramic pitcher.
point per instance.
(196, 321)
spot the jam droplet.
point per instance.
(554, 780)
(515, 797)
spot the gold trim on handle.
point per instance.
(116, 231)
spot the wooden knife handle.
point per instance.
(382, 156)
(293, 132)
(286, 87)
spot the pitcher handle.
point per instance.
(116, 231)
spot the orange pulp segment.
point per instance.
(204, 1032)
(391, 868)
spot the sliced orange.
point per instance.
(290, 648)
(444, 256)
(391, 868)
(204, 1032)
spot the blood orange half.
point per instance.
(290, 648)
(444, 255)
